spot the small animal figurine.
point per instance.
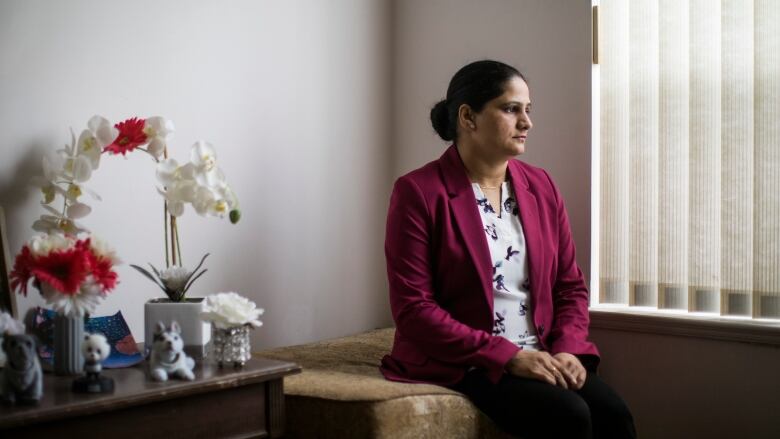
(95, 349)
(167, 357)
(22, 379)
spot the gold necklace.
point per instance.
(487, 187)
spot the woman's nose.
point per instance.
(524, 122)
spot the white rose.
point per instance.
(226, 310)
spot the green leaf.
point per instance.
(149, 275)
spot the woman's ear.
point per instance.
(466, 118)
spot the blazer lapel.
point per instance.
(464, 208)
(529, 217)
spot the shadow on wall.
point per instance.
(16, 190)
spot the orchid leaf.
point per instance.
(156, 271)
(192, 281)
(149, 275)
(196, 269)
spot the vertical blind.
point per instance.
(690, 155)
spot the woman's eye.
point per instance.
(511, 109)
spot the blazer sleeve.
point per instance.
(569, 331)
(418, 317)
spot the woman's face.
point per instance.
(501, 128)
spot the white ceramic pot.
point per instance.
(195, 332)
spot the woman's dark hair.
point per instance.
(474, 85)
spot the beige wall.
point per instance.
(292, 94)
(547, 40)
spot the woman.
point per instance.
(484, 288)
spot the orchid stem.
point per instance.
(165, 232)
(165, 220)
(173, 239)
(178, 246)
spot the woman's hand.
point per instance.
(574, 368)
(541, 366)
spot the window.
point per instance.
(687, 150)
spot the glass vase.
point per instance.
(230, 345)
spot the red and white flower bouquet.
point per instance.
(72, 274)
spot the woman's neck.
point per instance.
(485, 172)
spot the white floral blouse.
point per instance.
(512, 318)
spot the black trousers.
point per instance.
(534, 409)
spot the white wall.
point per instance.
(294, 96)
(547, 40)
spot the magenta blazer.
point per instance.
(440, 274)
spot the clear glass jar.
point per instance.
(230, 345)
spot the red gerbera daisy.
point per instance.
(64, 270)
(21, 274)
(131, 136)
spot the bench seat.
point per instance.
(342, 394)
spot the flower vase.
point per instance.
(68, 335)
(230, 345)
(194, 331)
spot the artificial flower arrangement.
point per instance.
(71, 269)
(231, 316)
(199, 182)
(72, 274)
(231, 310)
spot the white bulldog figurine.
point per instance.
(167, 357)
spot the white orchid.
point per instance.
(57, 224)
(158, 130)
(92, 140)
(200, 183)
(230, 310)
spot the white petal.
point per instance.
(44, 225)
(52, 210)
(166, 170)
(204, 198)
(91, 193)
(187, 172)
(88, 146)
(82, 169)
(156, 147)
(176, 208)
(78, 210)
(103, 131)
(203, 155)
(160, 127)
(96, 122)
(53, 166)
(183, 190)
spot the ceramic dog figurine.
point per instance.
(95, 349)
(167, 358)
(22, 380)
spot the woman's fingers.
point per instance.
(545, 375)
(560, 380)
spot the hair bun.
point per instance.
(441, 121)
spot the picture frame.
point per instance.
(7, 297)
